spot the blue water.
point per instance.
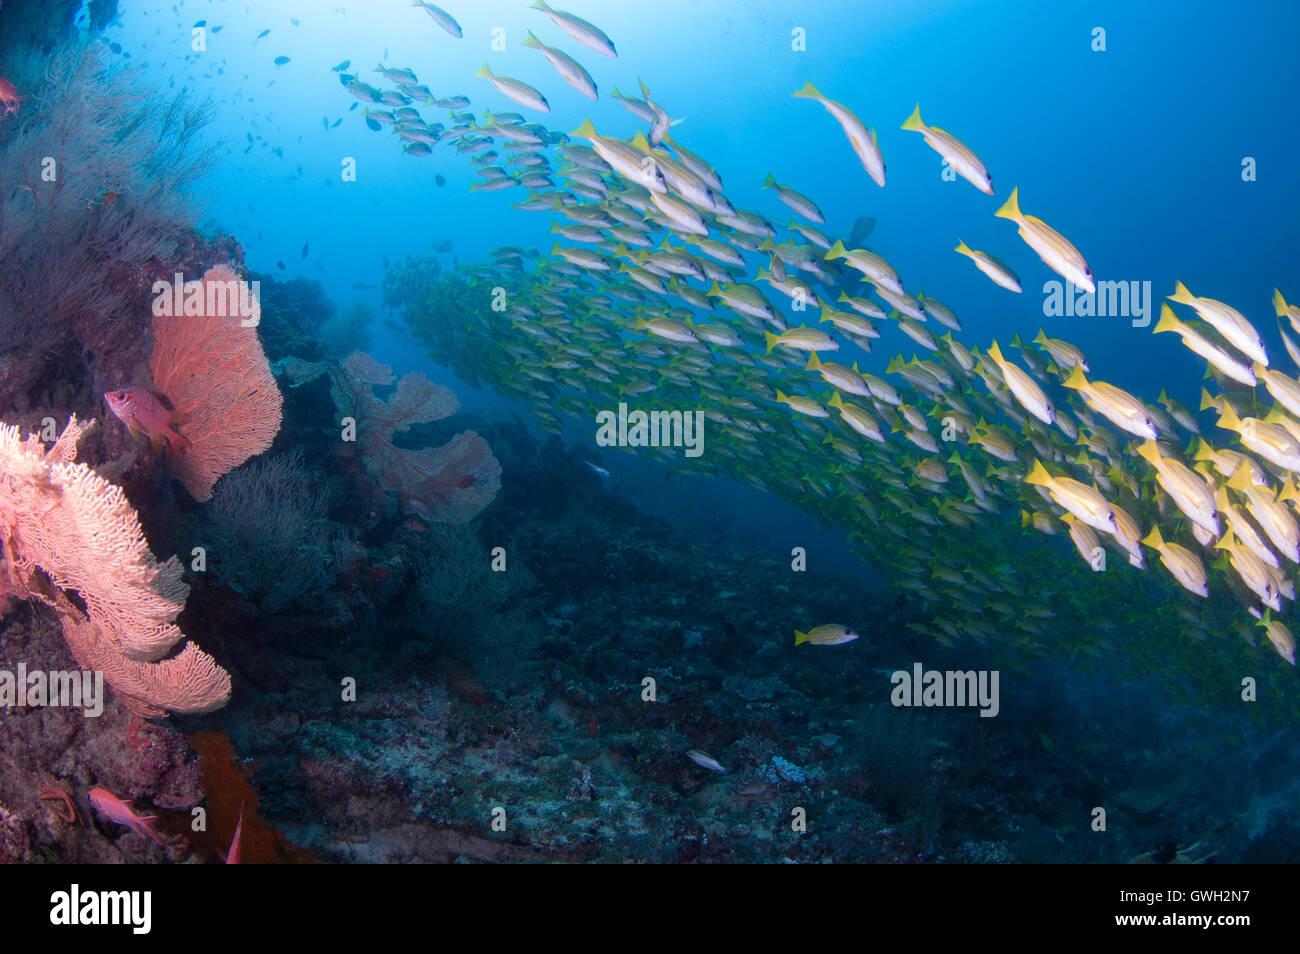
(1134, 153)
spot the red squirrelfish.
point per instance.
(112, 808)
(149, 413)
(9, 97)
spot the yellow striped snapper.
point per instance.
(816, 236)
(902, 302)
(930, 470)
(680, 212)
(863, 306)
(1243, 529)
(441, 17)
(630, 163)
(957, 154)
(570, 70)
(973, 481)
(1188, 490)
(917, 333)
(677, 176)
(667, 328)
(828, 634)
(862, 141)
(520, 92)
(1128, 534)
(583, 258)
(1289, 312)
(1275, 444)
(697, 165)
(1052, 247)
(838, 376)
(1279, 636)
(994, 268)
(959, 352)
(1285, 390)
(716, 334)
(1023, 387)
(1252, 571)
(1118, 406)
(1083, 537)
(1270, 513)
(1227, 321)
(1182, 564)
(1062, 352)
(882, 390)
(857, 419)
(588, 34)
(804, 405)
(1216, 356)
(1076, 497)
(800, 203)
(801, 338)
(1179, 412)
(938, 311)
(874, 266)
(791, 287)
(719, 251)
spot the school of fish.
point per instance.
(650, 294)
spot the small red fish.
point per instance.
(149, 413)
(9, 97)
(111, 808)
(236, 848)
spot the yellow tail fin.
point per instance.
(1181, 294)
(1075, 379)
(1012, 208)
(1038, 475)
(914, 121)
(1168, 320)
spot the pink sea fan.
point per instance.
(448, 484)
(214, 371)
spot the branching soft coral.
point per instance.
(93, 195)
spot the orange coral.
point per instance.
(212, 368)
(230, 793)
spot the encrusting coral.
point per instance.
(63, 527)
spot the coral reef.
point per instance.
(63, 527)
(100, 202)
